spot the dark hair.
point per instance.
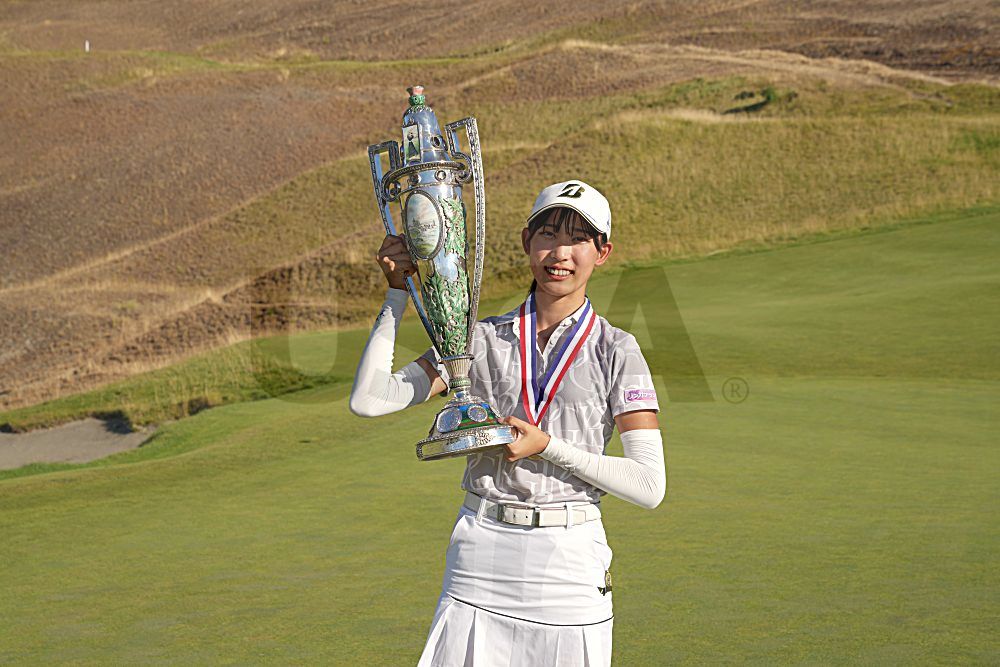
(573, 219)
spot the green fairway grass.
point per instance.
(844, 512)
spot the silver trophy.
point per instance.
(426, 173)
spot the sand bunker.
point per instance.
(76, 442)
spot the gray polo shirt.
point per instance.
(609, 376)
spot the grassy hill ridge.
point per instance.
(686, 179)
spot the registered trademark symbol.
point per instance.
(735, 390)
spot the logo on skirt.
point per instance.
(607, 583)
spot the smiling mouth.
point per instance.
(558, 272)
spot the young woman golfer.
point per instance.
(527, 579)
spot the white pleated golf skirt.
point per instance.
(517, 595)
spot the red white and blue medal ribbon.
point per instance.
(537, 393)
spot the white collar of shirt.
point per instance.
(511, 317)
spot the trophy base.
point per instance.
(466, 425)
(471, 441)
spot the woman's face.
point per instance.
(563, 260)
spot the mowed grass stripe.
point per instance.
(842, 513)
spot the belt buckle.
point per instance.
(501, 509)
(502, 514)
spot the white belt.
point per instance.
(569, 514)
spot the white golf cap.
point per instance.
(582, 198)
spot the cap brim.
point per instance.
(583, 214)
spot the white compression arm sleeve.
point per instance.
(377, 390)
(639, 477)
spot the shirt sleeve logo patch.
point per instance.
(632, 395)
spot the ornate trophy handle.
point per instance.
(381, 198)
(475, 161)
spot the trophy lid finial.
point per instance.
(417, 98)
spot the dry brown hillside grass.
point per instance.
(206, 157)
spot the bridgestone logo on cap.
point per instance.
(573, 190)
